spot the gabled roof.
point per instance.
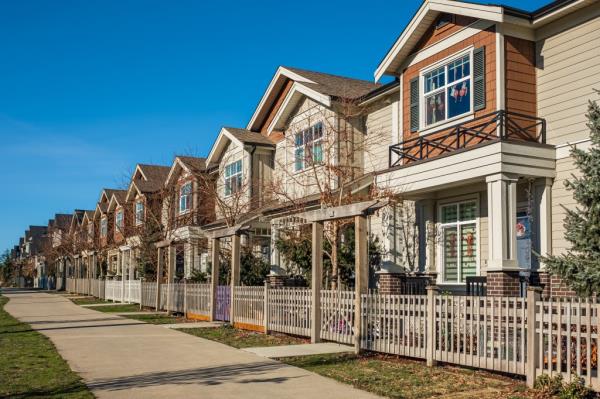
(76, 218)
(119, 197)
(193, 165)
(62, 221)
(431, 9)
(238, 136)
(322, 87)
(147, 179)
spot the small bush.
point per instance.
(555, 387)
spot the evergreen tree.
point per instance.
(580, 266)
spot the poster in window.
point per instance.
(523, 241)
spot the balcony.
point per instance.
(497, 126)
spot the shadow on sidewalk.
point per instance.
(239, 373)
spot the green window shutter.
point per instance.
(414, 104)
(479, 78)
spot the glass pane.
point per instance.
(450, 254)
(459, 98)
(468, 250)
(435, 108)
(434, 79)
(227, 186)
(468, 211)
(317, 152)
(299, 158)
(458, 69)
(318, 131)
(298, 139)
(308, 136)
(449, 213)
(238, 168)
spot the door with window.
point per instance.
(459, 241)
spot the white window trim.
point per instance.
(188, 202)
(104, 227)
(440, 244)
(320, 140)
(423, 127)
(117, 213)
(225, 178)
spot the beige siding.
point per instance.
(236, 204)
(379, 135)
(561, 199)
(568, 71)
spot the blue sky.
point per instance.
(90, 88)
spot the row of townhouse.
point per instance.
(458, 163)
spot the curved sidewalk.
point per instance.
(123, 358)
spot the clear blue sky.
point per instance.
(90, 88)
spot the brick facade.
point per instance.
(401, 284)
(503, 283)
(552, 286)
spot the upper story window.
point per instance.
(103, 227)
(447, 90)
(139, 213)
(90, 229)
(308, 147)
(233, 177)
(459, 240)
(185, 197)
(119, 219)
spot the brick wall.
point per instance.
(553, 286)
(503, 284)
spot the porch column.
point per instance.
(188, 259)
(121, 262)
(317, 281)
(503, 270)
(274, 251)
(361, 271)
(94, 265)
(214, 279)
(235, 273)
(160, 261)
(131, 265)
(545, 217)
(427, 240)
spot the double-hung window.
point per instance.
(139, 213)
(447, 90)
(119, 219)
(308, 147)
(233, 178)
(459, 240)
(103, 227)
(185, 197)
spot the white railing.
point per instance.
(289, 310)
(337, 315)
(566, 339)
(249, 307)
(394, 324)
(148, 294)
(175, 297)
(198, 299)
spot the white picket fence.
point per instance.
(526, 336)
(289, 310)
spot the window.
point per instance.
(233, 178)
(308, 147)
(90, 228)
(459, 240)
(119, 219)
(447, 90)
(185, 197)
(139, 213)
(103, 227)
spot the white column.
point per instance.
(131, 264)
(429, 236)
(275, 260)
(235, 272)
(361, 271)
(214, 280)
(317, 281)
(502, 219)
(121, 265)
(545, 218)
(188, 259)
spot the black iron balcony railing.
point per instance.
(496, 126)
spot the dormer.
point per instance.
(118, 209)
(145, 192)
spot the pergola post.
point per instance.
(159, 272)
(317, 281)
(214, 277)
(171, 259)
(361, 271)
(235, 273)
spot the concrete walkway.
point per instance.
(278, 352)
(124, 358)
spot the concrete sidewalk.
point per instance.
(124, 358)
(278, 352)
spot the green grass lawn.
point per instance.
(30, 366)
(394, 377)
(156, 318)
(131, 307)
(242, 339)
(87, 301)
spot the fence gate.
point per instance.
(223, 302)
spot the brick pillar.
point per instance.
(390, 283)
(552, 286)
(503, 283)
